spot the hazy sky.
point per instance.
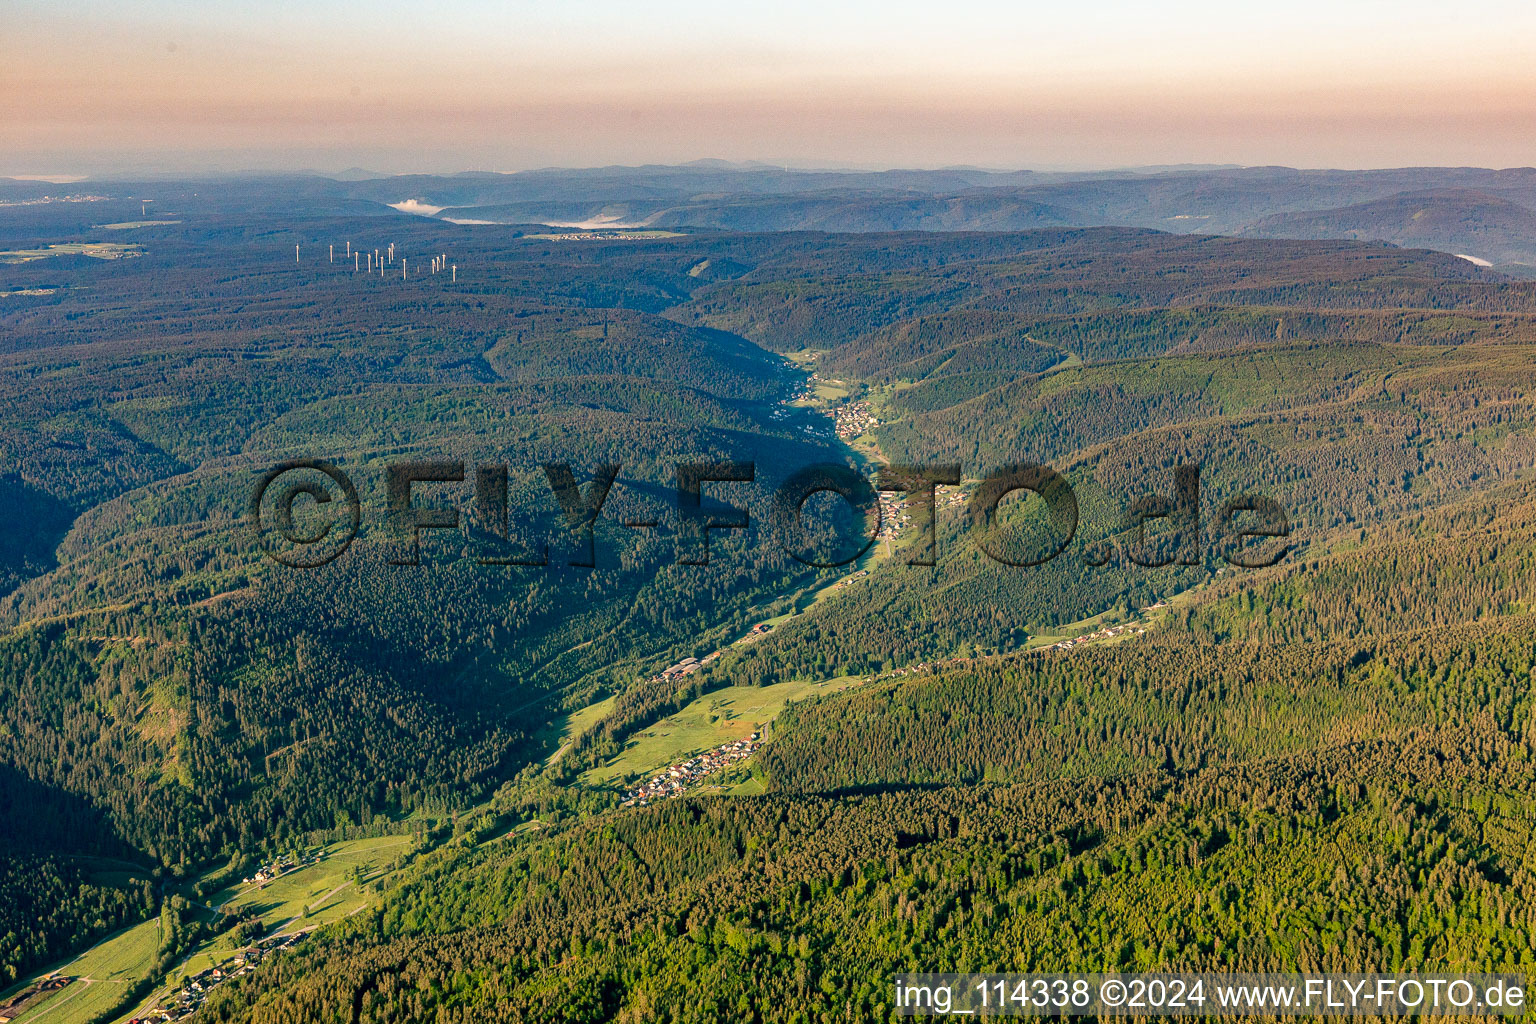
(402, 86)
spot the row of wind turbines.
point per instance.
(379, 260)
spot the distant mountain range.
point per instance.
(1485, 213)
(1488, 214)
(1466, 221)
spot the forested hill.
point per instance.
(1350, 793)
(173, 699)
(1178, 804)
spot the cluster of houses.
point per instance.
(807, 390)
(686, 667)
(1098, 634)
(679, 777)
(756, 633)
(594, 236)
(853, 419)
(73, 197)
(195, 988)
(912, 670)
(1109, 631)
(18, 1004)
(807, 394)
(812, 430)
(850, 580)
(893, 514)
(284, 864)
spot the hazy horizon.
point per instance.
(171, 171)
(278, 85)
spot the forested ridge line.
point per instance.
(793, 908)
(1211, 805)
(171, 694)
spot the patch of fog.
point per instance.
(591, 224)
(1474, 260)
(578, 225)
(595, 223)
(51, 179)
(418, 207)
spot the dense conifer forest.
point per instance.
(1321, 763)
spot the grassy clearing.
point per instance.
(1071, 362)
(750, 787)
(311, 896)
(733, 713)
(1145, 618)
(572, 725)
(1067, 631)
(95, 250)
(105, 973)
(567, 727)
(318, 893)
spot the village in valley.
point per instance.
(1138, 626)
(678, 777)
(1103, 633)
(241, 917)
(301, 890)
(853, 420)
(179, 1002)
(195, 988)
